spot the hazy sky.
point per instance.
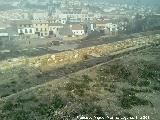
(148, 2)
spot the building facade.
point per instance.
(25, 27)
(54, 28)
(77, 29)
(41, 27)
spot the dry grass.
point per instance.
(114, 89)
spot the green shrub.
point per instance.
(148, 73)
(10, 113)
(24, 100)
(143, 83)
(79, 92)
(42, 109)
(86, 79)
(78, 87)
(110, 88)
(91, 109)
(157, 88)
(57, 102)
(77, 84)
(21, 115)
(117, 71)
(139, 90)
(8, 106)
(50, 108)
(71, 86)
(13, 82)
(132, 81)
(129, 99)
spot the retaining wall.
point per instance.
(50, 61)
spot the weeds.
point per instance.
(146, 90)
(22, 100)
(143, 83)
(50, 108)
(91, 110)
(157, 88)
(129, 99)
(8, 106)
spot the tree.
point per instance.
(138, 23)
(125, 25)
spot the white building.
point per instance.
(77, 29)
(26, 31)
(25, 27)
(54, 28)
(73, 15)
(112, 27)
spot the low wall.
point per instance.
(50, 61)
(74, 38)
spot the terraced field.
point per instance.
(127, 86)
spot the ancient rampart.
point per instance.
(50, 61)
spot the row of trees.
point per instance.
(140, 24)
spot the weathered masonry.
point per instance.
(50, 61)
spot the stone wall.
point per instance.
(50, 61)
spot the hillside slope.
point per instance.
(124, 87)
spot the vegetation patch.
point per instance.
(49, 109)
(143, 83)
(157, 88)
(129, 100)
(9, 106)
(21, 115)
(119, 82)
(78, 86)
(144, 90)
(23, 100)
(111, 88)
(91, 109)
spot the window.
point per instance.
(45, 29)
(36, 29)
(30, 30)
(41, 29)
(21, 31)
(26, 31)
